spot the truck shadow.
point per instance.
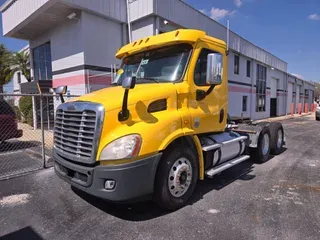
(143, 211)
(24, 233)
(17, 145)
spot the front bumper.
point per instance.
(132, 180)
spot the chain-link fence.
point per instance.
(26, 132)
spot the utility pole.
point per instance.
(128, 21)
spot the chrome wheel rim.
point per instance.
(180, 177)
(280, 137)
(265, 144)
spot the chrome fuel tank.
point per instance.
(230, 148)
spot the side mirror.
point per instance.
(129, 82)
(61, 90)
(214, 68)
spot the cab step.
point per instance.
(210, 173)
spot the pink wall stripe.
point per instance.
(74, 80)
(106, 80)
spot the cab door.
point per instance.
(208, 114)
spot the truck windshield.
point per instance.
(166, 64)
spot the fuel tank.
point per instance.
(230, 148)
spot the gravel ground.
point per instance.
(276, 200)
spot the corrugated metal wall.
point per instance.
(115, 9)
(143, 28)
(18, 11)
(102, 37)
(140, 8)
(181, 13)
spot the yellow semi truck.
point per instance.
(161, 127)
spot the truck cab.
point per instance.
(162, 125)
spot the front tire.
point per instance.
(176, 177)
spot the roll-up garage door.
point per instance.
(289, 99)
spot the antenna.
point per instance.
(228, 35)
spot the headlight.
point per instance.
(124, 147)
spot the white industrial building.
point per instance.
(73, 42)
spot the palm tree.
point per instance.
(6, 72)
(21, 63)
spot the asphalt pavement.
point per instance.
(279, 199)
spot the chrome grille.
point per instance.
(77, 130)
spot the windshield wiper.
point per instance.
(149, 78)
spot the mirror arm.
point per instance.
(200, 94)
(124, 113)
(210, 90)
(61, 98)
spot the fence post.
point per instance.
(42, 132)
(48, 113)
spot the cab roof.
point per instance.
(177, 36)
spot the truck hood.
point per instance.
(112, 97)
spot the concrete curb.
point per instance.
(282, 118)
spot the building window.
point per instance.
(42, 66)
(236, 64)
(261, 88)
(248, 68)
(306, 92)
(244, 103)
(200, 72)
(19, 77)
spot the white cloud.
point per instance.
(314, 16)
(217, 13)
(203, 11)
(298, 76)
(238, 3)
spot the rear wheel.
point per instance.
(262, 152)
(317, 118)
(277, 137)
(176, 177)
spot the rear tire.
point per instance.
(262, 152)
(317, 119)
(277, 137)
(176, 177)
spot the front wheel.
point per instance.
(176, 177)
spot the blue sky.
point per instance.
(287, 28)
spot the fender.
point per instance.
(180, 133)
(200, 155)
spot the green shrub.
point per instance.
(29, 118)
(18, 112)
(25, 105)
